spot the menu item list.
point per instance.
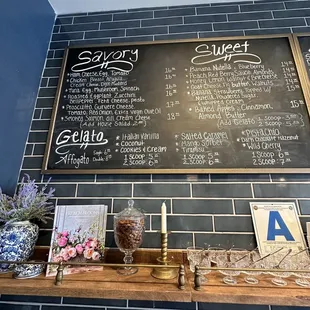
(194, 106)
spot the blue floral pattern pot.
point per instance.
(17, 241)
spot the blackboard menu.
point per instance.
(218, 105)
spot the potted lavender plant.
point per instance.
(18, 235)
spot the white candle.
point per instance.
(163, 218)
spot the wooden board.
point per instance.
(264, 293)
(105, 284)
(302, 42)
(142, 286)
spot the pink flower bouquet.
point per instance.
(77, 247)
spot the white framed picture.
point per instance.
(276, 226)
(78, 236)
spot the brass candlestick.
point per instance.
(164, 273)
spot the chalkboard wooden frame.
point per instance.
(301, 60)
(302, 75)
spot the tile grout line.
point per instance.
(176, 25)
(76, 190)
(33, 146)
(234, 206)
(206, 199)
(298, 208)
(252, 190)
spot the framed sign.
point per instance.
(78, 236)
(218, 105)
(277, 225)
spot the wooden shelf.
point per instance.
(142, 286)
(103, 284)
(264, 293)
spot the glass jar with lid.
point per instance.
(128, 234)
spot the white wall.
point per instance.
(77, 6)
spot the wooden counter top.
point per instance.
(99, 284)
(142, 286)
(264, 293)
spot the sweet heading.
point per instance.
(237, 52)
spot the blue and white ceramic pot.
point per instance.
(17, 241)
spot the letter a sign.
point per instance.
(277, 225)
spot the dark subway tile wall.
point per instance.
(34, 174)
(283, 190)
(124, 178)
(121, 24)
(304, 206)
(202, 206)
(174, 12)
(43, 82)
(184, 223)
(226, 240)
(146, 31)
(186, 195)
(130, 39)
(28, 149)
(93, 19)
(240, 178)
(53, 82)
(146, 205)
(61, 178)
(80, 27)
(218, 9)
(203, 209)
(161, 21)
(222, 190)
(250, 16)
(51, 72)
(190, 28)
(46, 114)
(263, 6)
(282, 22)
(191, 35)
(104, 190)
(134, 15)
(232, 224)
(236, 25)
(292, 13)
(63, 20)
(174, 305)
(95, 302)
(297, 4)
(161, 190)
(267, 31)
(39, 149)
(89, 41)
(206, 306)
(210, 201)
(37, 114)
(38, 299)
(229, 33)
(105, 33)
